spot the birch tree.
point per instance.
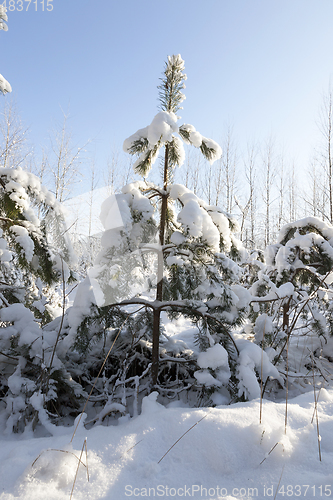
(251, 177)
(118, 171)
(282, 190)
(292, 195)
(325, 124)
(14, 149)
(269, 175)
(64, 161)
(225, 172)
(191, 172)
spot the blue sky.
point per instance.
(261, 65)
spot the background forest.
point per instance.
(257, 183)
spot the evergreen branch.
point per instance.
(138, 146)
(144, 164)
(2, 182)
(170, 90)
(184, 134)
(152, 188)
(101, 369)
(208, 152)
(166, 359)
(132, 379)
(157, 305)
(174, 157)
(11, 222)
(5, 286)
(294, 322)
(9, 357)
(4, 300)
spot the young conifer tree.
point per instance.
(148, 142)
(291, 307)
(195, 255)
(34, 257)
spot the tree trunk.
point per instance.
(159, 290)
(285, 324)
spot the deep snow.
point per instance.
(220, 457)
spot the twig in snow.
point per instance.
(188, 430)
(316, 408)
(84, 446)
(62, 451)
(134, 445)
(272, 449)
(261, 371)
(277, 488)
(287, 380)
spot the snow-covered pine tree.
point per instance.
(34, 257)
(198, 222)
(189, 270)
(4, 85)
(292, 296)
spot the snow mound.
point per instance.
(214, 453)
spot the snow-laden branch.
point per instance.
(157, 305)
(5, 86)
(148, 141)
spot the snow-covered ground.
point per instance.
(226, 455)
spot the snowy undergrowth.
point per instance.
(224, 450)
